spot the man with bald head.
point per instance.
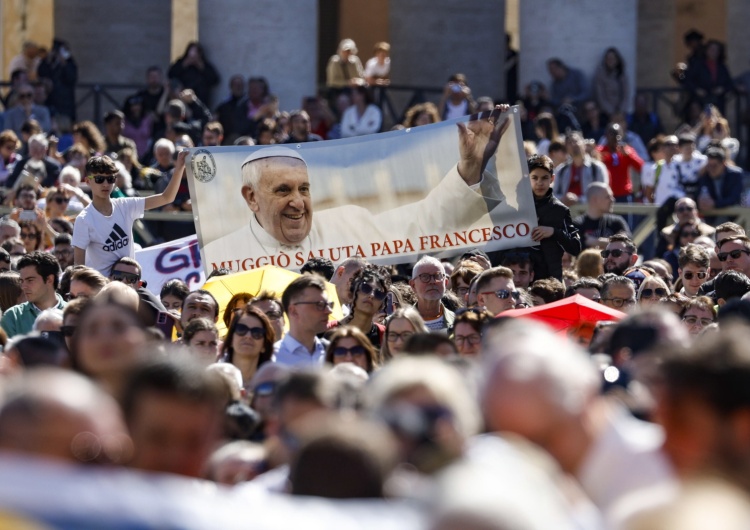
(598, 224)
(276, 188)
(685, 211)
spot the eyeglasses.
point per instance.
(462, 291)
(683, 209)
(61, 200)
(615, 253)
(367, 290)
(67, 331)
(264, 389)
(125, 277)
(734, 254)
(649, 293)
(393, 336)
(427, 278)
(701, 275)
(502, 294)
(356, 351)
(99, 179)
(274, 315)
(693, 320)
(257, 333)
(320, 306)
(473, 340)
(63, 252)
(619, 302)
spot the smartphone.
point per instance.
(389, 304)
(165, 323)
(27, 215)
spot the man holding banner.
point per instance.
(282, 230)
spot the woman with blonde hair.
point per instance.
(398, 329)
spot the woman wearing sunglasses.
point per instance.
(350, 345)
(652, 291)
(368, 287)
(249, 342)
(685, 234)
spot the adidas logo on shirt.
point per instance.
(116, 240)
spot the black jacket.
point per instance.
(547, 258)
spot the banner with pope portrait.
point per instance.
(393, 197)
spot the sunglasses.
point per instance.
(256, 333)
(99, 179)
(125, 277)
(502, 294)
(274, 315)
(734, 254)
(28, 235)
(473, 340)
(616, 253)
(264, 389)
(61, 200)
(649, 293)
(67, 331)
(356, 351)
(367, 290)
(701, 275)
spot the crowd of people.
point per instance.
(428, 389)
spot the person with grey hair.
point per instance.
(276, 187)
(9, 229)
(599, 223)
(25, 110)
(429, 281)
(544, 388)
(48, 320)
(43, 165)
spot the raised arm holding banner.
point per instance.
(388, 198)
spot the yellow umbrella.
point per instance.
(268, 278)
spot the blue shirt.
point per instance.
(290, 352)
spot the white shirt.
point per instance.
(449, 206)
(373, 69)
(290, 352)
(689, 169)
(107, 239)
(626, 458)
(354, 125)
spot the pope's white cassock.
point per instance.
(451, 206)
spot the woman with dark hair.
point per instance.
(710, 79)
(350, 345)
(88, 135)
(684, 234)
(173, 294)
(545, 126)
(468, 328)
(139, 125)
(249, 342)
(202, 338)
(611, 83)
(363, 117)
(236, 303)
(368, 288)
(108, 341)
(10, 290)
(31, 236)
(195, 72)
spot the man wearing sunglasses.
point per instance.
(619, 255)
(25, 110)
(496, 291)
(103, 231)
(694, 262)
(307, 308)
(127, 271)
(734, 254)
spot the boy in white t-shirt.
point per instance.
(103, 231)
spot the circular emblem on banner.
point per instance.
(204, 166)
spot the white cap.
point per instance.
(272, 152)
